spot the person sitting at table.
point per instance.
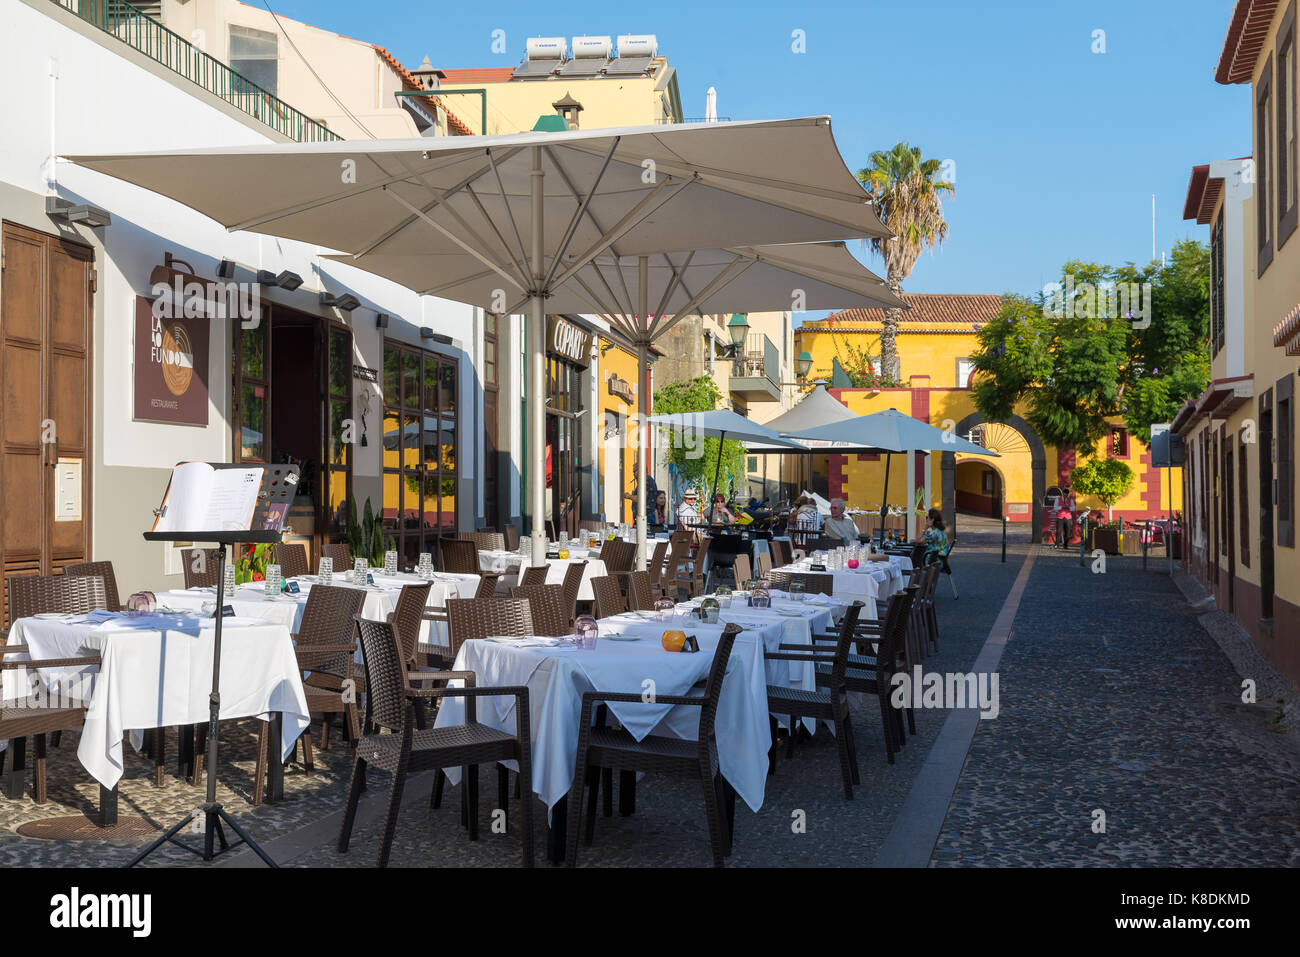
(719, 514)
(935, 536)
(657, 514)
(686, 513)
(840, 525)
(805, 517)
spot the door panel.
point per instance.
(46, 311)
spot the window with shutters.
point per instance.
(1243, 495)
(1263, 165)
(1216, 286)
(1284, 423)
(1286, 132)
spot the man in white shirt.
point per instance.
(686, 513)
(840, 525)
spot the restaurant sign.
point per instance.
(621, 388)
(171, 367)
(568, 341)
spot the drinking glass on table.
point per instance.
(326, 571)
(273, 581)
(360, 567)
(797, 590)
(390, 562)
(228, 580)
(585, 632)
(664, 609)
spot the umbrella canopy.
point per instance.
(817, 408)
(726, 424)
(529, 211)
(737, 279)
(887, 431)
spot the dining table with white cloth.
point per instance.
(510, 565)
(869, 582)
(629, 654)
(155, 671)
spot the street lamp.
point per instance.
(804, 364)
(737, 328)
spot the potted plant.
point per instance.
(251, 564)
(1106, 537)
(1105, 479)
(365, 537)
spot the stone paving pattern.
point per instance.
(1114, 697)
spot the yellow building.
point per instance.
(1240, 434)
(935, 340)
(595, 83)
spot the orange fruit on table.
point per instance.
(674, 640)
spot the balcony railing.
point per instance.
(155, 41)
(759, 357)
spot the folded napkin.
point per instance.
(99, 616)
(530, 642)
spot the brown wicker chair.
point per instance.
(814, 583)
(782, 553)
(546, 602)
(405, 750)
(487, 585)
(486, 539)
(656, 568)
(340, 554)
(202, 566)
(34, 715)
(407, 617)
(604, 747)
(326, 646)
(533, 576)
(511, 535)
(762, 565)
(458, 556)
(639, 597)
(105, 571)
(692, 577)
(829, 702)
(572, 584)
(292, 559)
(471, 618)
(619, 556)
(609, 600)
(740, 571)
(873, 673)
(55, 594)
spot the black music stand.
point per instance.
(279, 483)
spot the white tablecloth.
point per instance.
(558, 677)
(157, 672)
(871, 580)
(510, 566)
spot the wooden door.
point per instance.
(46, 314)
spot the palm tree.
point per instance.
(905, 189)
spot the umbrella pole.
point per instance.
(884, 499)
(536, 366)
(643, 406)
(722, 437)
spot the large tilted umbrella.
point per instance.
(530, 211)
(816, 408)
(887, 431)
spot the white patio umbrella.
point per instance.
(471, 201)
(725, 424)
(887, 431)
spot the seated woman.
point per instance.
(935, 536)
(719, 514)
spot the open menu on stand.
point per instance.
(201, 498)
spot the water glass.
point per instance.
(273, 581)
(724, 597)
(360, 568)
(797, 590)
(426, 565)
(326, 571)
(664, 609)
(390, 562)
(709, 611)
(585, 632)
(228, 580)
(761, 598)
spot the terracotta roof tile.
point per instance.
(929, 312)
(487, 74)
(410, 83)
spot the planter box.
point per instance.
(1107, 539)
(1176, 539)
(1131, 543)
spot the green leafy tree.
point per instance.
(1106, 479)
(1076, 367)
(696, 459)
(905, 189)
(859, 364)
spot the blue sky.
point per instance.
(1057, 149)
